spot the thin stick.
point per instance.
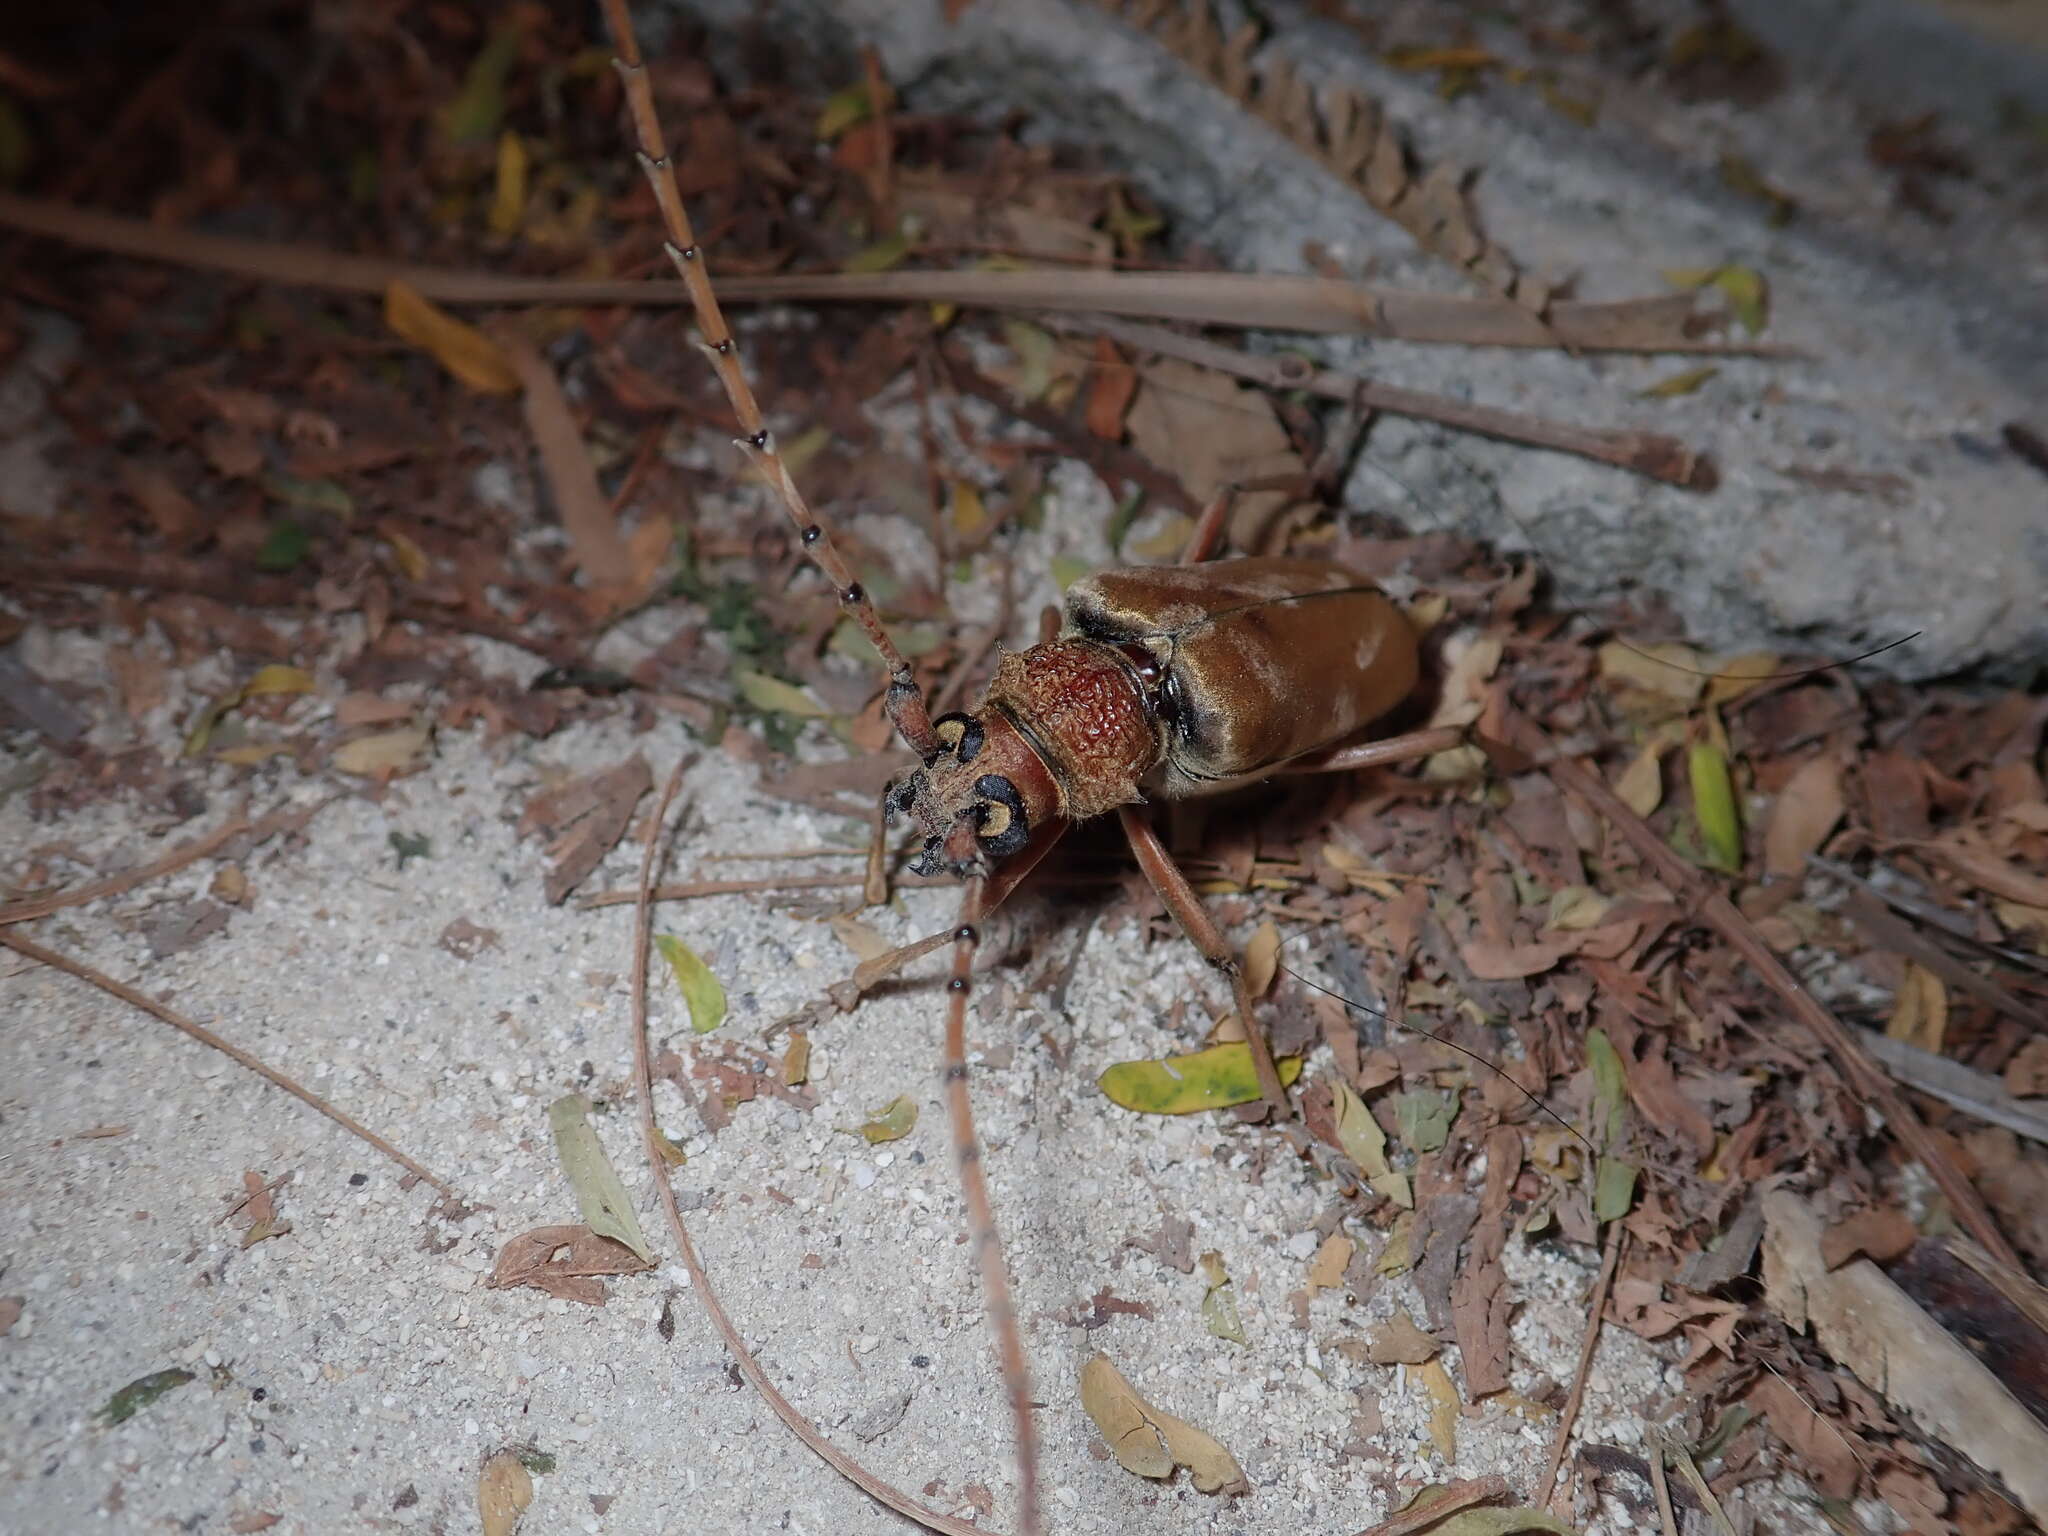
(113, 885)
(1260, 301)
(904, 702)
(235, 1053)
(700, 1281)
(1646, 453)
(981, 1216)
(1865, 1077)
(1617, 1237)
(1660, 1487)
(696, 889)
(1449, 1500)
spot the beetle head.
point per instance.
(980, 798)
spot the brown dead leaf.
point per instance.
(256, 1211)
(1445, 1407)
(1398, 1341)
(1214, 432)
(1152, 1443)
(595, 543)
(1110, 392)
(1805, 812)
(583, 820)
(1880, 1234)
(503, 1490)
(169, 510)
(1262, 960)
(1493, 960)
(355, 710)
(2026, 1075)
(1326, 1269)
(251, 1521)
(11, 1308)
(568, 1261)
(1969, 856)
(465, 940)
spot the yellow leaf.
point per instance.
(1713, 805)
(466, 352)
(881, 256)
(1670, 670)
(1641, 785)
(668, 1151)
(1677, 384)
(1150, 1442)
(503, 1490)
(386, 752)
(1262, 960)
(771, 695)
(412, 560)
(508, 198)
(1183, 1085)
(1738, 674)
(843, 111)
(1575, 908)
(969, 516)
(1443, 1407)
(1920, 1011)
(278, 679)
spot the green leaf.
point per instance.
(772, 696)
(139, 1394)
(478, 107)
(287, 543)
(540, 1463)
(1038, 357)
(843, 111)
(1182, 1085)
(1366, 1145)
(881, 256)
(892, 1122)
(1610, 1087)
(600, 1196)
(1713, 806)
(1614, 1189)
(706, 998)
(1424, 1117)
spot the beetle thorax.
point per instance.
(1066, 731)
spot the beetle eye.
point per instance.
(959, 734)
(999, 822)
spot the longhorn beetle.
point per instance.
(1167, 681)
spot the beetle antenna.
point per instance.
(1491, 1066)
(981, 1216)
(904, 700)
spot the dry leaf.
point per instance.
(1444, 1407)
(1262, 960)
(383, 755)
(1326, 1269)
(1398, 1341)
(1149, 1442)
(1641, 785)
(461, 348)
(1670, 670)
(1920, 1010)
(567, 1261)
(1214, 432)
(584, 818)
(1806, 811)
(503, 1490)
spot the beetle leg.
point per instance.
(1195, 922)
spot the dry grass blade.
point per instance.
(1254, 300)
(235, 1053)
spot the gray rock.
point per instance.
(1865, 487)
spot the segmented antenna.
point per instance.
(912, 720)
(904, 701)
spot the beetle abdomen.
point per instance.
(1264, 659)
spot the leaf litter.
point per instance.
(1694, 1091)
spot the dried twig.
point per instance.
(1448, 1501)
(1617, 1238)
(180, 856)
(235, 1053)
(1647, 453)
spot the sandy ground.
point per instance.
(354, 1373)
